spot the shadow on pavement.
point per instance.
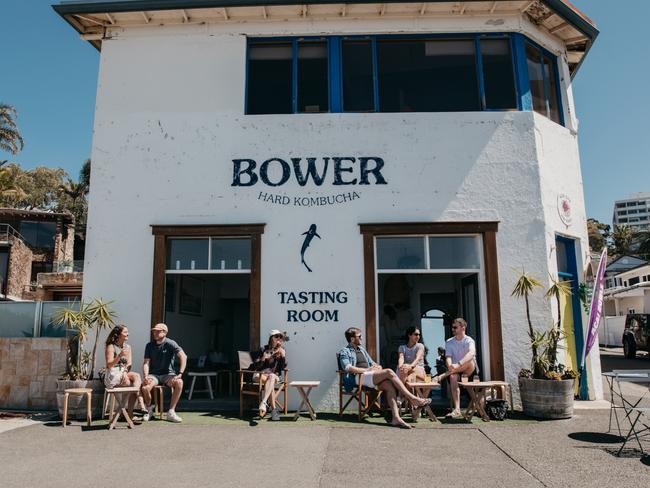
(596, 437)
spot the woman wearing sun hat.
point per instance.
(270, 363)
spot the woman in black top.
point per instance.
(271, 362)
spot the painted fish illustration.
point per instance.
(309, 236)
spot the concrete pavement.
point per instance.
(208, 450)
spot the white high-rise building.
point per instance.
(633, 211)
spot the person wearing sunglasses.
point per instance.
(460, 356)
(270, 363)
(410, 362)
(354, 360)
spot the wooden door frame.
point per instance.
(253, 231)
(488, 232)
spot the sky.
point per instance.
(50, 76)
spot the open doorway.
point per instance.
(208, 315)
(429, 302)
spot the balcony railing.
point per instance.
(8, 233)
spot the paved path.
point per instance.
(212, 452)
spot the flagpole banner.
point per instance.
(596, 308)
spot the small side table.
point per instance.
(422, 390)
(304, 389)
(478, 393)
(122, 395)
(204, 374)
(88, 392)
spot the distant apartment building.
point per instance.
(633, 211)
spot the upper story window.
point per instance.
(39, 234)
(542, 76)
(401, 74)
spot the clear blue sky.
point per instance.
(50, 76)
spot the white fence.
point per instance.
(610, 332)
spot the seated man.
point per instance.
(355, 359)
(158, 369)
(460, 352)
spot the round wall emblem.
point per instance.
(564, 208)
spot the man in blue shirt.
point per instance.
(158, 369)
(355, 360)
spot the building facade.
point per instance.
(633, 211)
(314, 166)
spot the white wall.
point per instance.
(169, 121)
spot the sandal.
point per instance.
(263, 408)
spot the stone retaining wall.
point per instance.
(29, 368)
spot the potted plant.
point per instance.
(547, 388)
(80, 363)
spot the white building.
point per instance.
(633, 211)
(310, 166)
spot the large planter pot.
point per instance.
(547, 399)
(77, 403)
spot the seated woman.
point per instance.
(118, 364)
(271, 362)
(410, 362)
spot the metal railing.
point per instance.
(7, 231)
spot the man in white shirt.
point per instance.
(460, 352)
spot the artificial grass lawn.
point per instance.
(328, 419)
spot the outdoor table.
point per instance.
(613, 378)
(422, 389)
(122, 395)
(304, 389)
(478, 393)
(87, 392)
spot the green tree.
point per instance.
(598, 233)
(10, 189)
(622, 240)
(10, 138)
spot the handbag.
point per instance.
(496, 409)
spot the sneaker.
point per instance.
(275, 415)
(148, 414)
(172, 417)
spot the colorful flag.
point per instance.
(596, 308)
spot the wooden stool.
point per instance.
(205, 374)
(304, 389)
(122, 394)
(78, 391)
(158, 400)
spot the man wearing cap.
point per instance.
(270, 364)
(158, 369)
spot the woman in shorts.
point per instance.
(118, 364)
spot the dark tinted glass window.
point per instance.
(4, 267)
(536, 77)
(39, 234)
(498, 74)
(312, 77)
(427, 76)
(358, 87)
(39, 267)
(269, 79)
(550, 74)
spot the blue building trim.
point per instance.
(334, 72)
(521, 73)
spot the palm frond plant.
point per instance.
(102, 318)
(95, 314)
(557, 290)
(544, 345)
(524, 287)
(10, 138)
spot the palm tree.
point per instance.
(524, 287)
(10, 190)
(74, 190)
(623, 237)
(10, 139)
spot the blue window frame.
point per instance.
(450, 72)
